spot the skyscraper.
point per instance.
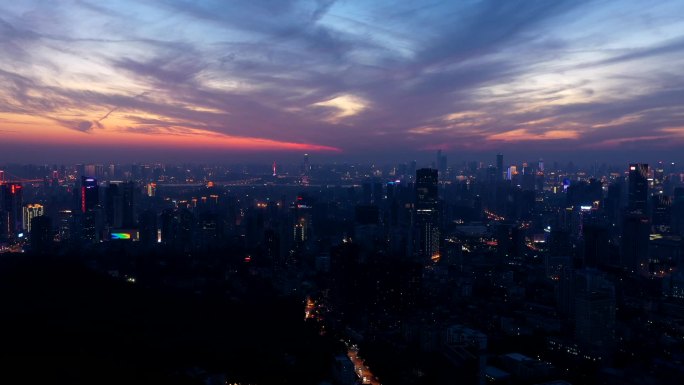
(662, 213)
(306, 166)
(427, 214)
(148, 227)
(499, 167)
(89, 193)
(31, 211)
(635, 236)
(41, 233)
(596, 244)
(441, 163)
(638, 188)
(11, 209)
(120, 205)
(306, 170)
(302, 229)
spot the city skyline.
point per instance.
(175, 80)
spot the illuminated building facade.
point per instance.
(302, 228)
(89, 194)
(151, 189)
(427, 214)
(10, 209)
(638, 188)
(31, 211)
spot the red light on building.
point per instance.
(83, 199)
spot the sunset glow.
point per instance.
(340, 77)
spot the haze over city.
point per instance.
(93, 81)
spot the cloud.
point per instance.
(349, 75)
(344, 106)
(523, 135)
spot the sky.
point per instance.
(181, 79)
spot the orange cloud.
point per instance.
(522, 135)
(19, 128)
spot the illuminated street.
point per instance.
(361, 369)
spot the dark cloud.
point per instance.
(257, 69)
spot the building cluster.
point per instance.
(508, 275)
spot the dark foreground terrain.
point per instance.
(61, 322)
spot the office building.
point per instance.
(635, 237)
(119, 205)
(41, 233)
(89, 194)
(31, 211)
(499, 167)
(11, 209)
(427, 218)
(637, 200)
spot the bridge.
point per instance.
(15, 179)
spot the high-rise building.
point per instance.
(596, 244)
(659, 177)
(41, 233)
(89, 194)
(65, 225)
(148, 227)
(511, 172)
(427, 214)
(638, 188)
(499, 167)
(11, 209)
(302, 229)
(662, 213)
(528, 178)
(31, 211)
(120, 208)
(305, 170)
(306, 166)
(441, 163)
(635, 236)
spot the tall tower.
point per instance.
(441, 163)
(306, 166)
(89, 193)
(10, 209)
(638, 188)
(306, 169)
(119, 205)
(499, 167)
(90, 215)
(427, 214)
(635, 238)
